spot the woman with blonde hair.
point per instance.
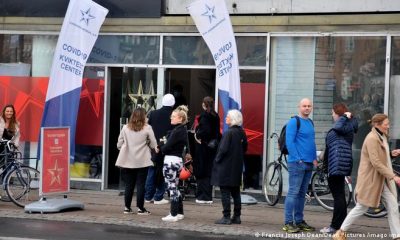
(134, 142)
(172, 148)
(376, 180)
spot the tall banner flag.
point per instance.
(212, 20)
(78, 34)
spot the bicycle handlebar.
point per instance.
(274, 134)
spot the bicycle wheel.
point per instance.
(272, 185)
(22, 185)
(322, 192)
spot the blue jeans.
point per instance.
(299, 178)
(153, 191)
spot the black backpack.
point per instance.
(282, 137)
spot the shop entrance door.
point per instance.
(190, 86)
(130, 87)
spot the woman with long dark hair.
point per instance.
(9, 126)
(134, 142)
(206, 130)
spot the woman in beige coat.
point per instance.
(134, 142)
(376, 180)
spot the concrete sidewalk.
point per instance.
(258, 220)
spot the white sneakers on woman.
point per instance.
(170, 218)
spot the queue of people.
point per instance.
(151, 158)
(142, 152)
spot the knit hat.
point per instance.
(168, 100)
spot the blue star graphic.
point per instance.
(86, 16)
(209, 13)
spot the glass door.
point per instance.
(130, 88)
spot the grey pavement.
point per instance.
(259, 220)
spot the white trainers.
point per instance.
(203, 201)
(162, 201)
(170, 218)
(180, 216)
(148, 201)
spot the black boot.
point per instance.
(236, 220)
(224, 220)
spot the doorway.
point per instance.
(132, 87)
(189, 87)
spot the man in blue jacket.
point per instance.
(300, 142)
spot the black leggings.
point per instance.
(132, 177)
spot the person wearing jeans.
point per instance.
(154, 191)
(160, 121)
(300, 141)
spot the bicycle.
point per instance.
(273, 184)
(20, 182)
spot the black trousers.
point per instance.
(134, 177)
(336, 184)
(203, 189)
(226, 193)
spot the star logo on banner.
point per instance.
(209, 13)
(86, 16)
(55, 174)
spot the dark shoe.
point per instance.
(290, 228)
(223, 220)
(143, 211)
(128, 211)
(303, 226)
(236, 220)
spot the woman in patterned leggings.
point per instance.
(173, 147)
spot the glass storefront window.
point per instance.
(251, 50)
(394, 97)
(126, 49)
(186, 51)
(15, 48)
(327, 70)
(252, 84)
(88, 161)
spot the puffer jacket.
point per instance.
(338, 142)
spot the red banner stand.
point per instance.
(54, 175)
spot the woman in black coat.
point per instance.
(207, 130)
(228, 167)
(338, 157)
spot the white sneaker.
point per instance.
(170, 218)
(180, 216)
(148, 201)
(203, 202)
(162, 201)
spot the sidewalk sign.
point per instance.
(54, 174)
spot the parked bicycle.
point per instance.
(273, 183)
(20, 182)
